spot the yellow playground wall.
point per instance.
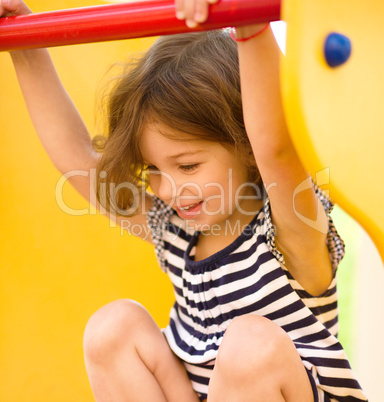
(56, 269)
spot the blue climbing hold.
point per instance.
(337, 49)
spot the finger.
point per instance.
(13, 7)
(10, 6)
(3, 8)
(179, 8)
(189, 9)
(22, 8)
(201, 11)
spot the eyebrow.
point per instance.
(189, 153)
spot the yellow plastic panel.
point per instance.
(56, 268)
(336, 115)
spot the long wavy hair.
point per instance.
(188, 83)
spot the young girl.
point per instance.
(255, 317)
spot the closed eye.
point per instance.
(189, 168)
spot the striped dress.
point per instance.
(248, 276)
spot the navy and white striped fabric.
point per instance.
(246, 277)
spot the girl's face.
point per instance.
(202, 181)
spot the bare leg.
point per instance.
(257, 361)
(128, 359)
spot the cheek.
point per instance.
(217, 193)
(154, 183)
(225, 188)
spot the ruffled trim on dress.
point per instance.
(157, 218)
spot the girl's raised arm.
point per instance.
(55, 118)
(303, 246)
(57, 122)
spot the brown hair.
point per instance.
(189, 83)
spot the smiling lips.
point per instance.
(189, 211)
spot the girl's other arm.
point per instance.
(54, 116)
(58, 124)
(303, 246)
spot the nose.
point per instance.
(163, 186)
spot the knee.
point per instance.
(252, 344)
(109, 328)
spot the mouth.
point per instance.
(189, 211)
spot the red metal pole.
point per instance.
(123, 21)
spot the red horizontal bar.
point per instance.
(123, 21)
